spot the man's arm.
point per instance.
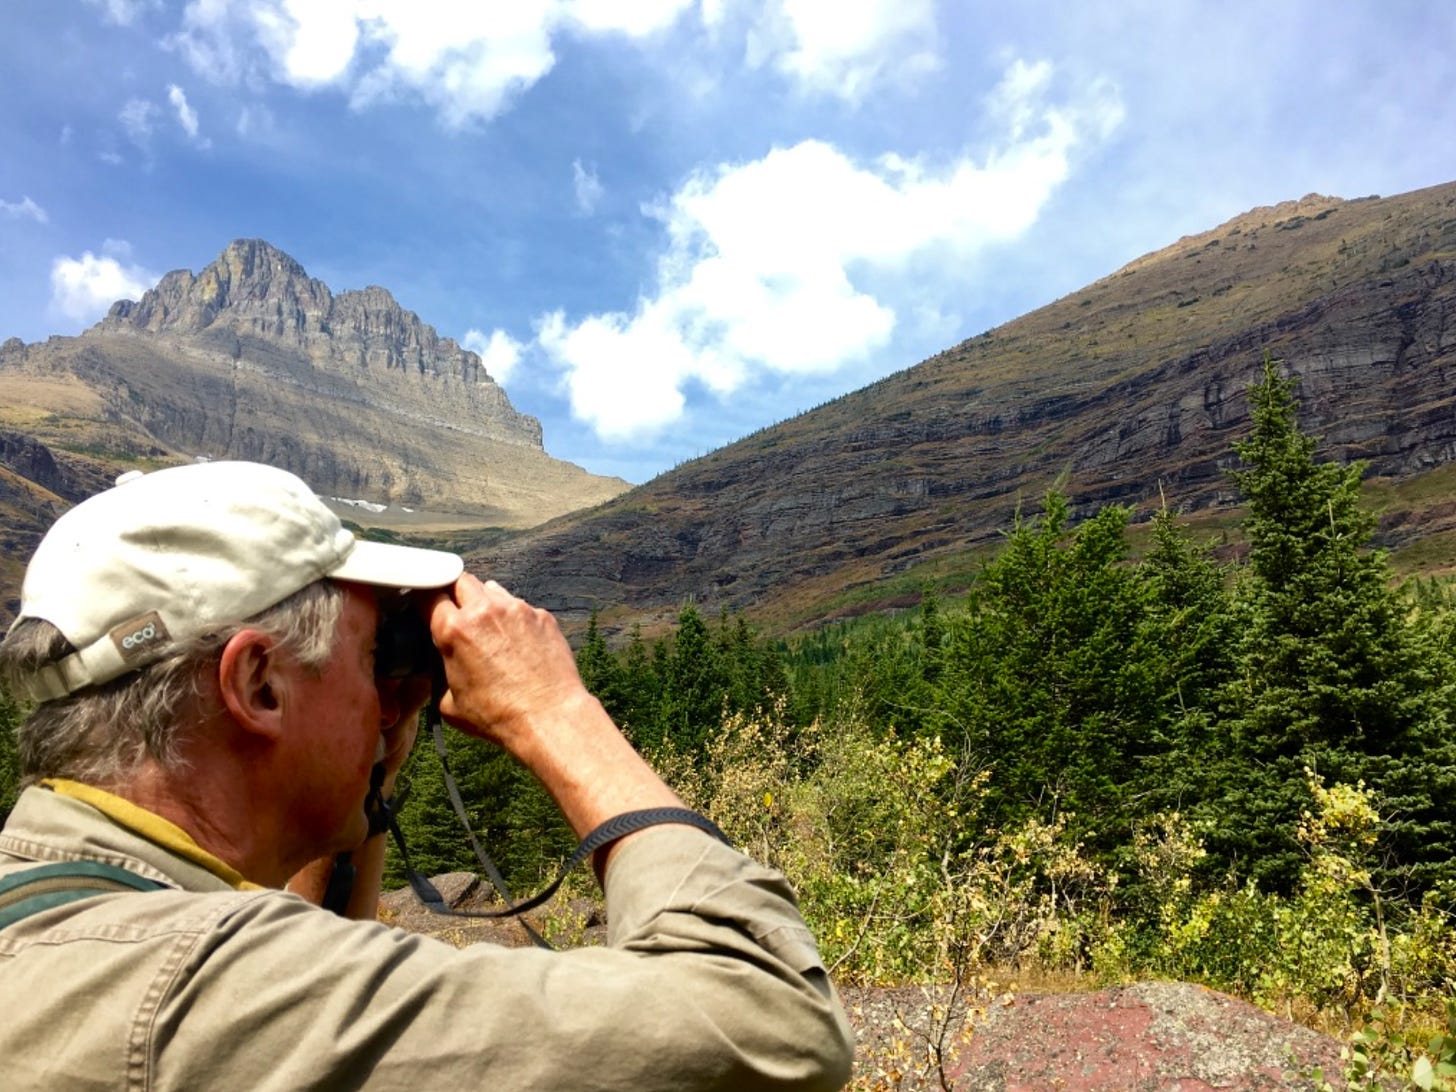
(513, 680)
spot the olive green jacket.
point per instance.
(709, 980)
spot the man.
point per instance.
(200, 644)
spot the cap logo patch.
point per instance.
(138, 637)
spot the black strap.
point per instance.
(617, 827)
(382, 816)
(613, 829)
(51, 885)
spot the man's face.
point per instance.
(334, 718)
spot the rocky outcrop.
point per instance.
(1150, 1036)
(253, 359)
(254, 304)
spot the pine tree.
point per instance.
(1328, 671)
(693, 691)
(1044, 681)
(641, 695)
(1188, 630)
(599, 669)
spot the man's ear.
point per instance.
(248, 681)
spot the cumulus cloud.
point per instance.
(588, 188)
(500, 353)
(797, 263)
(470, 62)
(24, 209)
(845, 49)
(84, 288)
(466, 60)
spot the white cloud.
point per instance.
(25, 209)
(500, 353)
(799, 262)
(124, 12)
(588, 188)
(186, 115)
(466, 60)
(138, 119)
(845, 48)
(471, 61)
(312, 42)
(84, 288)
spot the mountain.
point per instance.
(253, 359)
(1129, 391)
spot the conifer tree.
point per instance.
(1188, 630)
(640, 695)
(1043, 679)
(693, 690)
(599, 670)
(1328, 675)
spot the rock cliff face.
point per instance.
(1125, 392)
(251, 358)
(257, 301)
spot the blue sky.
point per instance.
(667, 223)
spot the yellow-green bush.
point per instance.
(902, 881)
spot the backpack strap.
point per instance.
(36, 889)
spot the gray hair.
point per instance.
(101, 734)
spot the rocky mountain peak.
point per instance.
(256, 294)
(253, 286)
(251, 358)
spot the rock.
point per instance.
(1153, 1036)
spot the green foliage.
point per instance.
(1384, 1053)
(10, 718)
(1046, 677)
(1330, 674)
(1188, 631)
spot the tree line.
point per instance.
(1083, 686)
(1092, 689)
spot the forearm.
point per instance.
(590, 769)
(513, 680)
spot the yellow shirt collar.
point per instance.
(152, 827)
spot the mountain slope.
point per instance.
(253, 359)
(1133, 384)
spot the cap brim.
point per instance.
(393, 566)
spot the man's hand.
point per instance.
(513, 680)
(506, 662)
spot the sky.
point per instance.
(665, 224)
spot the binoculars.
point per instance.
(403, 646)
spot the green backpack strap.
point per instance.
(35, 889)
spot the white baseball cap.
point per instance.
(132, 573)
